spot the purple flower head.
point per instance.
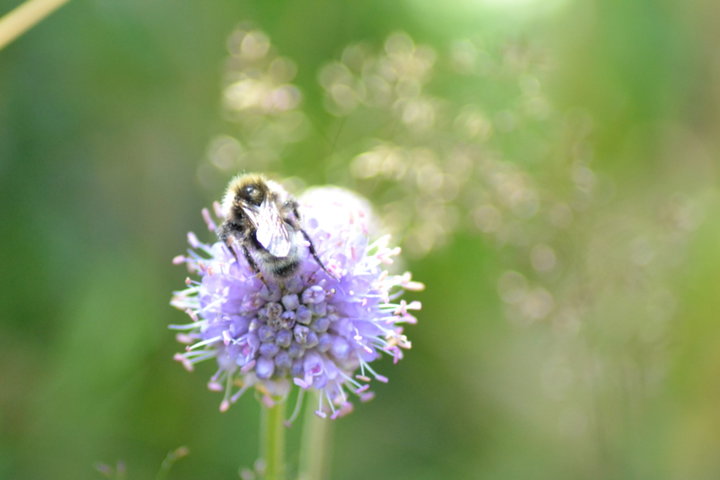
(317, 329)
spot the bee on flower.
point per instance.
(293, 293)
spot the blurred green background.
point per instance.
(550, 168)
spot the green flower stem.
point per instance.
(315, 447)
(25, 16)
(273, 440)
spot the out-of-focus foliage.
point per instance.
(551, 169)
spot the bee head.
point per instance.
(252, 193)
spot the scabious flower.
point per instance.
(318, 329)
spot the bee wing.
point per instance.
(271, 231)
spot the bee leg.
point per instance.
(233, 250)
(250, 260)
(233, 244)
(313, 252)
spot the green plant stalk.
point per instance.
(24, 17)
(272, 448)
(315, 446)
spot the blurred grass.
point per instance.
(106, 111)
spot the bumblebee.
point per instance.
(262, 221)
